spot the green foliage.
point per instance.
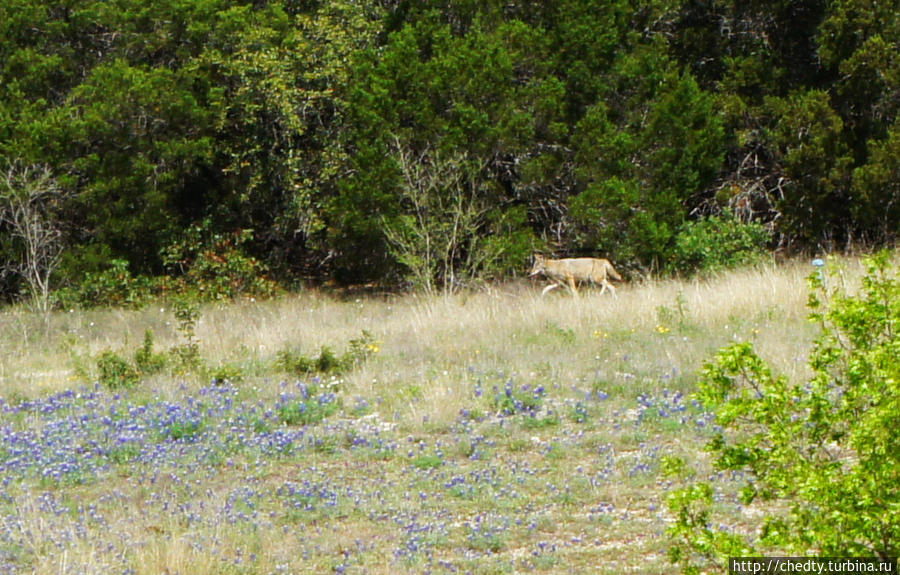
(876, 188)
(307, 412)
(438, 143)
(534, 423)
(824, 450)
(449, 112)
(358, 351)
(717, 243)
(291, 362)
(115, 286)
(211, 266)
(116, 372)
(146, 360)
(184, 430)
(632, 210)
(187, 353)
(225, 373)
(807, 138)
(425, 462)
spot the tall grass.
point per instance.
(433, 342)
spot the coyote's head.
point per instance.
(539, 265)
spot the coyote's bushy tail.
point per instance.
(612, 273)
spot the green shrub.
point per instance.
(424, 462)
(187, 353)
(295, 363)
(184, 430)
(146, 360)
(821, 456)
(225, 372)
(327, 362)
(213, 266)
(358, 351)
(717, 243)
(307, 411)
(116, 372)
(114, 286)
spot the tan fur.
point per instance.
(571, 271)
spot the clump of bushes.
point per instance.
(327, 362)
(718, 243)
(115, 371)
(200, 266)
(114, 286)
(213, 266)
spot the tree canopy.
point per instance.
(342, 139)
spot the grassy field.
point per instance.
(493, 432)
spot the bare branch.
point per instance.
(29, 197)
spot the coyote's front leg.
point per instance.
(549, 288)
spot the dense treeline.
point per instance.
(442, 141)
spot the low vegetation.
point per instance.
(482, 432)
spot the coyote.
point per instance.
(571, 270)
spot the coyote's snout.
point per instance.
(572, 271)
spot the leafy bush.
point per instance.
(184, 430)
(308, 411)
(114, 286)
(295, 363)
(146, 360)
(213, 266)
(359, 350)
(116, 372)
(187, 353)
(718, 243)
(225, 373)
(824, 451)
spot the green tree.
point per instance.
(644, 154)
(810, 152)
(821, 456)
(441, 96)
(281, 73)
(876, 189)
(139, 143)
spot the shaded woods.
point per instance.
(441, 143)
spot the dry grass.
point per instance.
(564, 495)
(437, 340)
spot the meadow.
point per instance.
(486, 432)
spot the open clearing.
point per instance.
(494, 432)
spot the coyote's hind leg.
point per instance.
(606, 285)
(571, 286)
